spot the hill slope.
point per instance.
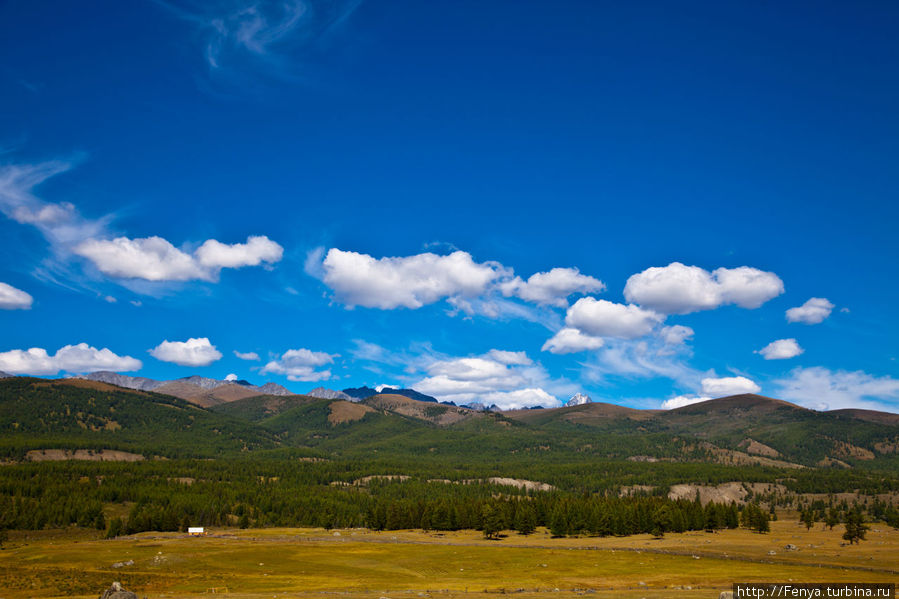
(82, 414)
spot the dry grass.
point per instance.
(345, 411)
(362, 564)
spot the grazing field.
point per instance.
(360, 563)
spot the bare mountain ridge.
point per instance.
(200, 390)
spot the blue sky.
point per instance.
(491, 201)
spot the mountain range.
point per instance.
(741, 430)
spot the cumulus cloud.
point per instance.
(149, 258)
(508, 379)
(675, 334)
(250, 356)
(301, 365)
(569, 341)
(193, 352)
(517, 358)
(78, 358)
(683, 400)
(215, 255)
(552, 288)
(155, 259)
(782, 349)
(231, 377)
(601, 318)
(681, 289)
(14, 299)
(729, 385)
(814, 311)
(407, 282)
(824, 389)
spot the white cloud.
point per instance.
(682, 400)
(782, 349)
(681, 289)
(823, 389)
(78, 358)
(409, 282)
(552, 288)
(569, 341)
(231, 377)
(492, 378)
(61, 224)
(730, 385)
(519, 399)
(14, 299)
(258, 249)
(301, 365)
(150, 258)
(193, 352)
(601, 318)
(641, 359)
(517, 358)
(155, 259)
(251, 356)
(675, 334)
(813, 311)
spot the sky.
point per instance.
(502, 202)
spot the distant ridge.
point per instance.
(201, 390)
(323, 393)
(364, 392)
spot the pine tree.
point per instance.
(525, 518)
(855, 527)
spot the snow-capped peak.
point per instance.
(578, 399)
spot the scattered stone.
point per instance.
(791, 547)
(772, 552)
(130, 562)
(117, 591)
(336, 534)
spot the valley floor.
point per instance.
(361, 564)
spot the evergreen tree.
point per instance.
(855, 527)
(525, 518)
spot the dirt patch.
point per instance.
(829, 462)
(723, 493)
(884, 447)
(345, 411)
(740, 458)
(528, 485)
(754, 447)
(440, 414)
(847, 450)
(99, 455)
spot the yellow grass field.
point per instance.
(364, 564)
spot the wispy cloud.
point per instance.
(151, 259)
(263, 31)
(824, 389)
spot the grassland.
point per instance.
(362, 564)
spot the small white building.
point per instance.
(196, 531)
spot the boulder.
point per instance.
(117, 591)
